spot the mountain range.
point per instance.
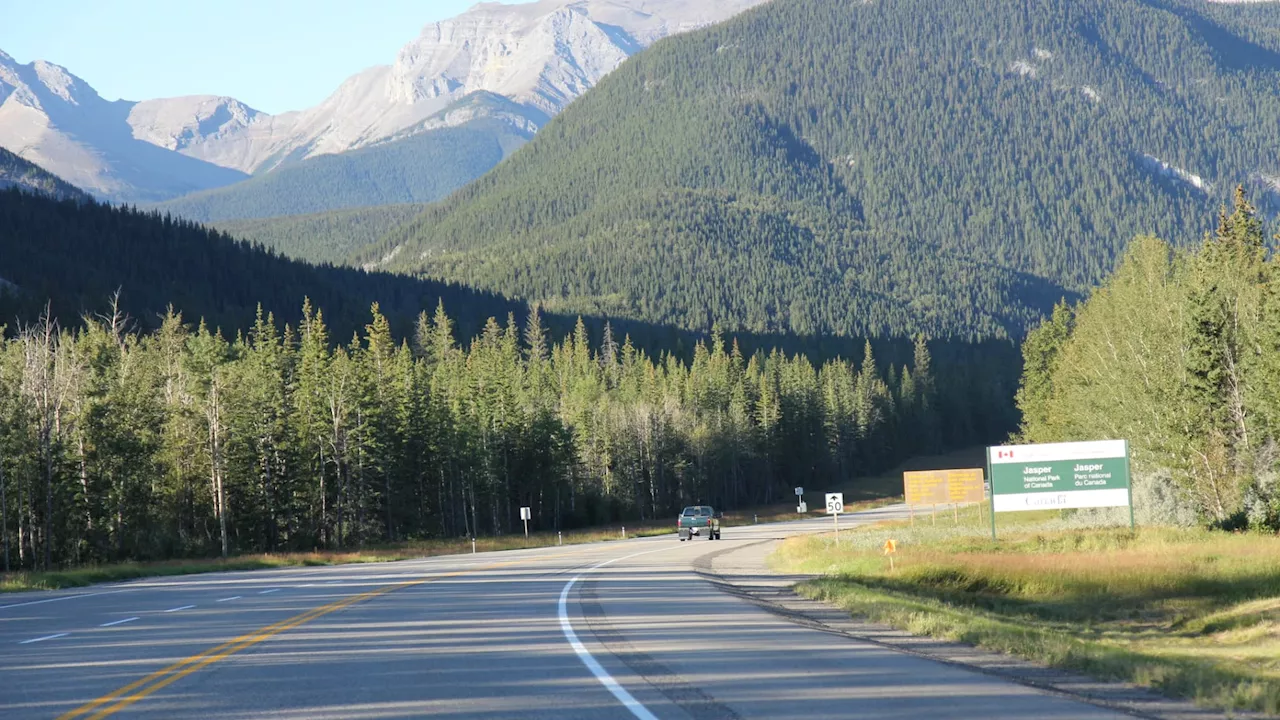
(537, 57)
(813, 167)
(834, 167)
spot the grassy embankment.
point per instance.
(1192, 613)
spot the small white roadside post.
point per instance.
(525, 514)
(835, 506)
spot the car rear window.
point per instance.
(698, 510)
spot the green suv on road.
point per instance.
(698, 520)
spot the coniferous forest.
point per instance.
(872, 168)
(72, 256)
(118, 444)
(1179, 352)
(18, 172)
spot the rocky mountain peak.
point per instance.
(61, 83)
(539, 56)
(177, 123)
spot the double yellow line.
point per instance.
(140, 689)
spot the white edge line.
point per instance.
(264, 592)
(628, 701)
(118, 622)
(184, 607)
(237, 597)
(59, 599)
(46, 637)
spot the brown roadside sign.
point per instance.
(966, 486)
(928, 487)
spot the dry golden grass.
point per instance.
(1193, 612)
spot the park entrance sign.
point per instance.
(1060, 475)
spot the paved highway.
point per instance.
(611, 630)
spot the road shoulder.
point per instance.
(742, 571)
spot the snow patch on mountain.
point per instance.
(1024, 68)
(1172, 171)
(1271, 182)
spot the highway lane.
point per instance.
(476, 636)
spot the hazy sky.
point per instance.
(274, 55)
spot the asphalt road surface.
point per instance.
(612, 630)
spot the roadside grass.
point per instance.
(93, 574)
(1192, 613)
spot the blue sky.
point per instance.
(274, 55)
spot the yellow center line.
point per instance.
(126, 696)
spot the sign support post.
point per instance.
(835, 506)
(993, 498)
(1133, 527)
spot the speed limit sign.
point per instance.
(835, 503)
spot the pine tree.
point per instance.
(1223, 304)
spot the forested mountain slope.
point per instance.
(331, 237)
(20, 173)
(835, 167)
(419, 168)
(76, 255)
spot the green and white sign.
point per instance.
(1059, 475)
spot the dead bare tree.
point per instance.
(48, 380)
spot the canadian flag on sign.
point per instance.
(1002, 454)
